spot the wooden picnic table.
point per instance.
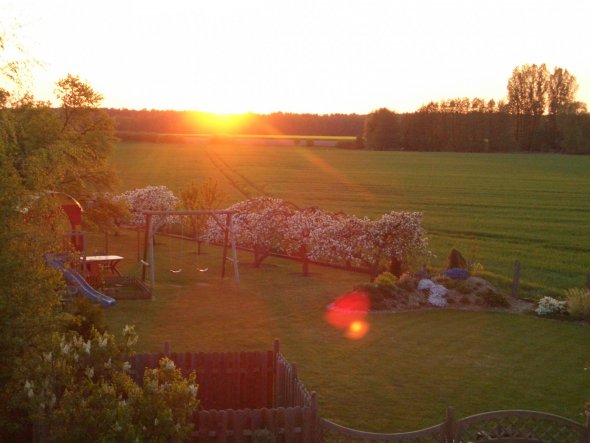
(93, 263)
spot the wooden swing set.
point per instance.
(156, 219)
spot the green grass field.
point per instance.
(498, 208)
(410, 366)
(401, 376)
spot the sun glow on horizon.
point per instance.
(232, 57)
(221, 123)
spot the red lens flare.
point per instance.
(348, 312)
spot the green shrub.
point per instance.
(263, 436)
(80, 390)
(385, 279)
(495, 299)
(84, 316)
(407, 283)
(578, 303)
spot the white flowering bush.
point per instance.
(550, 306)
(150, 198)
(80, 390)
(258, 224)
(272, 225)
(436, 296)
(436, 293)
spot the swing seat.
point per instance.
(202, 269)
(176, 271)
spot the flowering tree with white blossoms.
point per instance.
(258, 224)
(399, 237)
(150, 198)
(301, 230)
(268, 225)
(80, 390)
(345, 241)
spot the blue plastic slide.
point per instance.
(75, 279)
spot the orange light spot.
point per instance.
(348, 312)
(357, 330)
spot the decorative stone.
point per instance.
(456, 273)
(456, 260)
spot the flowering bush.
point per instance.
(150, 198)
(258, 224)
(437, 296)
(550, 306)
(272, 225)
(436, 293)
(456, 273)
(79, 390)
(385, 279)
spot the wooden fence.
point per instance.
(516, 426)
(244, 395)
(258, 397)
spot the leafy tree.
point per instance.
(561, 96)
(65, 150)
(527, 100)
(382, 131)
(201, 197)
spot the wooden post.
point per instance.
(276, 350)
(146, 241)
(152, 266)
(588, 281)
(516, 279)
(225, 239)
(138, 243)
(450, 425)
(234, 250)
(303, 252)
(315, 417)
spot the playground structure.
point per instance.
(156, 219)
(76, 240)
(76, 280)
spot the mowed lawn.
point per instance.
(401, 376)
(496, 208)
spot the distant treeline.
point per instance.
(278, 123)
(440, 127)
(540, 114)
(452, 125)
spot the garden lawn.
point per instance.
(400, 377)
(496, 208)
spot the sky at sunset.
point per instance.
(318, 56)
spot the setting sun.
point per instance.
(220, 123)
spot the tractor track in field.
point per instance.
(241, 183)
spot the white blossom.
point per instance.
(86, 346)
(150, 198)
(89, 371)
(548, 305)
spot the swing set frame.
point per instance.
(222, 217)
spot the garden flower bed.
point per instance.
(411, 292)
